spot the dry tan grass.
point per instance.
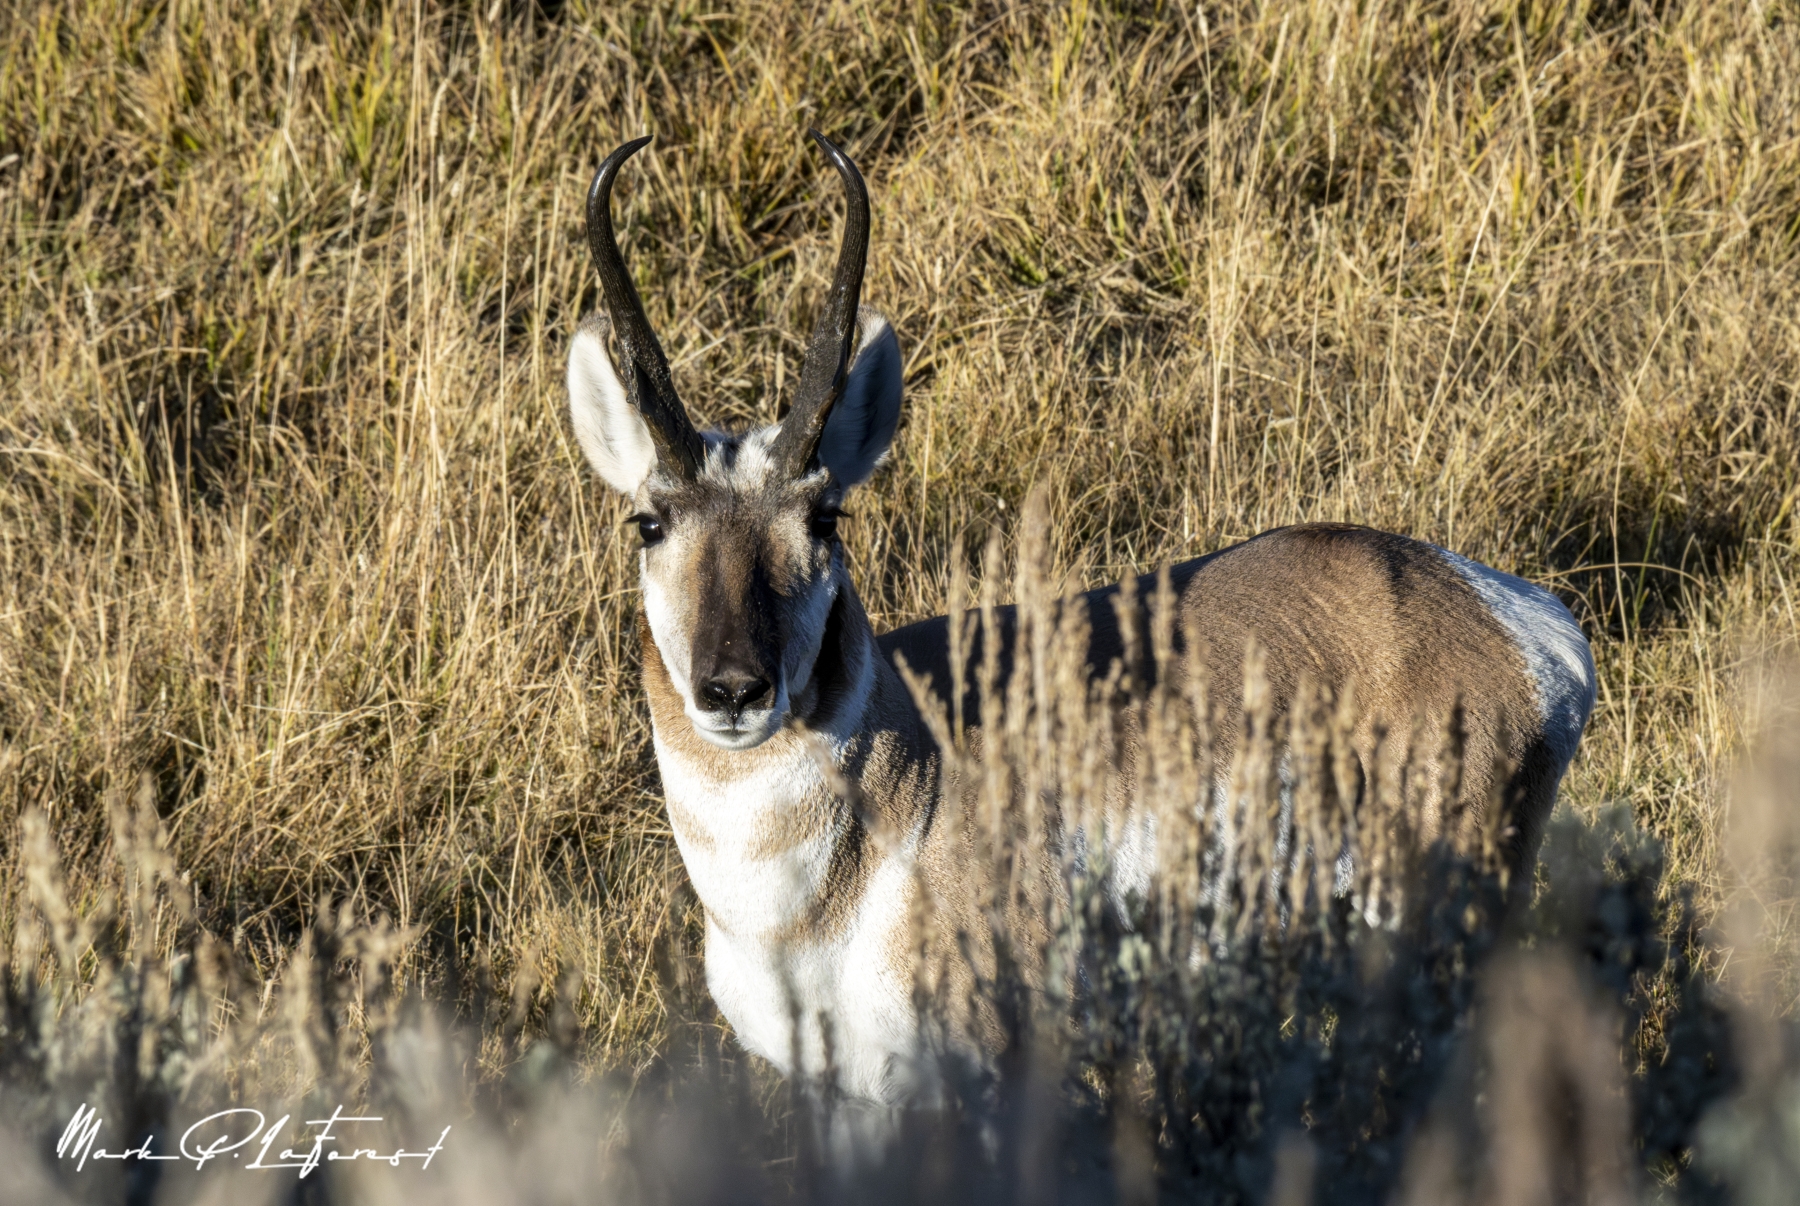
(290, 519)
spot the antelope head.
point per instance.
(740, 563)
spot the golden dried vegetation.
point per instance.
(295, 545)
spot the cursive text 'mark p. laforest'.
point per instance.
(229, 1134)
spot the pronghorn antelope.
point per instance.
(756, 647)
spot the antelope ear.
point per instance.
(607, 426)
(861, 426)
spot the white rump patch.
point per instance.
(1555, 650)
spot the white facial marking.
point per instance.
(808, 635)
(749, 468)
(1555, 650)
(670, 612)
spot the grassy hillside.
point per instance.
(293, 532)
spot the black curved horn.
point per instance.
(645, 370)
(828, 355)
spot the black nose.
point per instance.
(732, 692)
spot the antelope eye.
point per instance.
(649, 528)
(824, 524)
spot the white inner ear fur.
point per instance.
(607, 426)
(861, 427)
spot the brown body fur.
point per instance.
(1346, 608)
